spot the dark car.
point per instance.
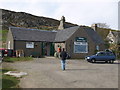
(3, 51)
(102, 56)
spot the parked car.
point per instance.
(102, 56)
(7, 52)
(1, 54)
(3, 51)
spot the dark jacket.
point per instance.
(63, 55)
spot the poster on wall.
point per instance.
(80, 45)
(29, 44)
(80, 39)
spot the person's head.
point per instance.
(63, 49)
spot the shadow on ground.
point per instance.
(106, 63)
(79, 69)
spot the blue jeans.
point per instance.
(63, 64)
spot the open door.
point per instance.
(52, 49)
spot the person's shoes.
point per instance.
(63, 69)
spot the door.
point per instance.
(101, 56)
(52, 49)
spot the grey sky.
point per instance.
(81, 12)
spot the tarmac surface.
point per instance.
(47, 73)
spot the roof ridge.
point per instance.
(32, 29)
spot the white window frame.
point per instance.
(29, 44)
(97, 47)
(81, 43)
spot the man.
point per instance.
(63, 56)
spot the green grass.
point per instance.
(4, 34)
(8, 81)
(13, 59)
(4, 37)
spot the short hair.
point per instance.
(63, 49)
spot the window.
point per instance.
(97, 47)
(109, 53)
(80, 47)
(29, 44)
(101, 54)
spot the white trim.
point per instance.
(29, 44)
(81, 43)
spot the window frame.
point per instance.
(28, 44)
(81, 43)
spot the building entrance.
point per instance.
(47, 49)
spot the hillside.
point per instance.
(22, 19)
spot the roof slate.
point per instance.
(63, 35)
(32, 34)
(52, 36)
(93, 35)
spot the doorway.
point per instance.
(47, 49)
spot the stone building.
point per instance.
(113, 37)
(78, 41)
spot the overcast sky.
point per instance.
(81, 12)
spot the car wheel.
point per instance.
(93, 60)
(112, 61)
(106, 61)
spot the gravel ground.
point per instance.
(47, 73)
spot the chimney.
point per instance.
(94, 26)
(62, 23)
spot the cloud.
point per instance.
(81, 12)
(87, 13)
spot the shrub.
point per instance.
(13, 59)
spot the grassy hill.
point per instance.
(22, 19)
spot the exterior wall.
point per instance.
(9, 41)
(36, 51)
(70, 45)
(102, 47)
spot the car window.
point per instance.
(110, 54)
(101, 54)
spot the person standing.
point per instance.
(63, 56)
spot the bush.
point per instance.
(13, 59)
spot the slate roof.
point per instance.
(63, 35)
(32, 34)
(93, 35)
(52, 36)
